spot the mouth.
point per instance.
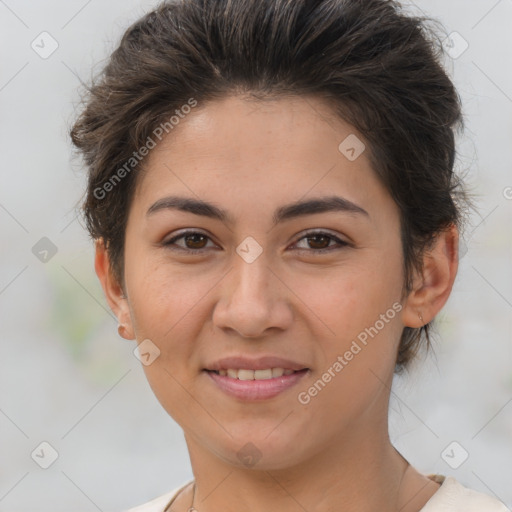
(248, 374)
(251, 380)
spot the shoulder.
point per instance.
(158, 504)
(452, 496)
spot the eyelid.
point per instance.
(318, 232)
(182, 234)
(309, 233)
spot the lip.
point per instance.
(260, 363)
(256, 390)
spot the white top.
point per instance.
(450, 497)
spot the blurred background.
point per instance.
(73, 397)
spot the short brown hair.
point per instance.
(378, 67)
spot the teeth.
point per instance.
(263, 374)
(277, 372)
(243, 374)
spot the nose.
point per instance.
(253, 300)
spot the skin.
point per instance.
(249, 158)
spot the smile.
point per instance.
(244, 374)
(255, 385)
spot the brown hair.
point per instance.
(378, 67)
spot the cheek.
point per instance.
(359, 308)
(166, 305)
(169, 305)
(162, 293)
(351, 297)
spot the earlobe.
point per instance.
(113, 291)
(432, 288)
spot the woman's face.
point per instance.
(258, 289)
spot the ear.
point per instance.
(113, 291)
(432, 288)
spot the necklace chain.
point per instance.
(192, 509)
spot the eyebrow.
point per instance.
(283, 213)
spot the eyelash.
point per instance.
(309, 234)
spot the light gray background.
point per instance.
(66, 378)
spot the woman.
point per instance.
(276, 217)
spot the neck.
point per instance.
(362, 473)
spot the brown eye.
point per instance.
(318, 242)
(194, 241)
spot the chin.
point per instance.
(256, 449)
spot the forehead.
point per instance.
(239, 149)
(243, 125)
